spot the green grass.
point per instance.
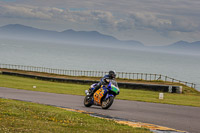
(185, 88)
(18, 116)
(190, 99)
(169, 98)
(44, 86)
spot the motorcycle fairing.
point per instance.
(109, 95)
(98, 95)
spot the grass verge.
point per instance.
(18, 116)
(190, 99)
(186, 89)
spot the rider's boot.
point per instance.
(95, 89)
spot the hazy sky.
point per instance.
(153, 22)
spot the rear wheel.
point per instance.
(88, 101)
(107, 103)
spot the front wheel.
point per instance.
(87, 101)
(107, 103)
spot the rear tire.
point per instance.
(87, 101)
(107, 103)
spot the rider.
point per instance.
(104, 81)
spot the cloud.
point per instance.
(162, 22)
(26, 12)
(103, 19)
(149, 20)
(9, 0)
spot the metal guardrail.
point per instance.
(123, 75)
(153, 87)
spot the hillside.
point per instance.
(71, 36)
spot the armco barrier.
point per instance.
(154, 87)
(122, 75)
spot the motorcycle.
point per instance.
(104, 96)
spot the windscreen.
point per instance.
(114, 83)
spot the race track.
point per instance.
(178, 117)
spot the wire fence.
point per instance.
(123, 75)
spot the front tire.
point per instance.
(87, 101)
(107, 103)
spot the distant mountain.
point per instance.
(14, 31)
(185, 45)
(179, 44)
(22, 32)
(180, 47)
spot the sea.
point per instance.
(185, 67)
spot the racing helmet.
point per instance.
(112, 74)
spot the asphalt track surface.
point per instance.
(178, 117)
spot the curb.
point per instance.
(135, 124)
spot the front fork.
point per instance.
(87, 92)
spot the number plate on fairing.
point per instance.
(98, 95)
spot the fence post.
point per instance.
(66, 72)
(194, 85)
(191, 85)
(165, 78)
(150, 77)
